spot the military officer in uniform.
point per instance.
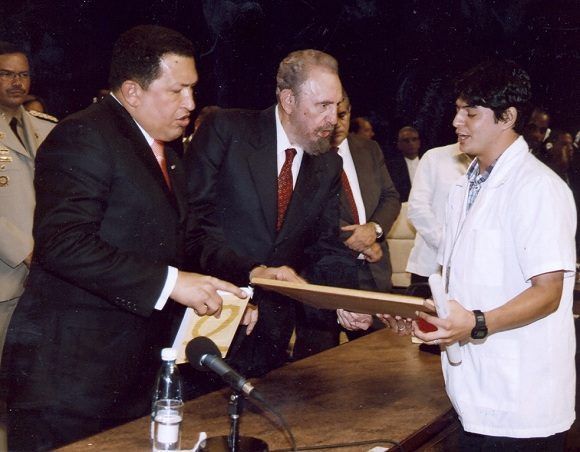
(21, 132)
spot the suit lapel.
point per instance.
(32, 137)
(177, 183)
(9, 139)
(136, 143)
(262, 165)
(362, 164)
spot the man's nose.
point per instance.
(458, 119)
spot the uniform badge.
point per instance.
(2, 135)
(4, 181)
(5, 155)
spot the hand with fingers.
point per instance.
(199, 292)
(455, 328)
(353, 321)
(283, 273)
(401, 326)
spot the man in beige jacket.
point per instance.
(21, 132)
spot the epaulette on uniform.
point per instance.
(40, 115)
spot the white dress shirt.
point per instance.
(350, 170)
(283, 143)
(412, 167)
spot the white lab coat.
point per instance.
(517, 383)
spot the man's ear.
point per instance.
(509, 117)
(287, 100)
(131, 92)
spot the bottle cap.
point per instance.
(168, 354)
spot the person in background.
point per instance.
(21, 132)
(404, 163)
(369, 205)
(34, 103)
(438, 170)
(105, 293)
(362, 127)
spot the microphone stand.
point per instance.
(234, 442)
(235, 408)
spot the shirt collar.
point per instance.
(9, 116)
(473, 171)
(282, 140)
(148, 137)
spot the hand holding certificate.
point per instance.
(220, 330)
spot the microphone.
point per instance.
(203, 354)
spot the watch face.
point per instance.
(479, 333)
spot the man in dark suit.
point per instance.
(85, 340)
(369, 205)
(403, 164)
(242, 168)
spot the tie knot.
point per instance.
(158, 149)
(290, 153)
(334, 148)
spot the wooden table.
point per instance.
(379, 386)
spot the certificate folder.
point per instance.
(221, 330)
(361, 301)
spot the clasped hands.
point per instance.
(363, 240)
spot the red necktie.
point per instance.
(348, 191)
(285, 187)
(158, 148)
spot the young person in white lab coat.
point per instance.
(508, 259)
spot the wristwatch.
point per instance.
(480, 329)
(378, 230)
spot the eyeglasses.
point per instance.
(8, 76)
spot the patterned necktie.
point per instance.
(285, 187)
(158, 148)
(348, 192)
(14, 127)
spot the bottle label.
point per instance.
(167, 423)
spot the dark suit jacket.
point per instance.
(85, 335)
(380, 199)
(400, 175)
(232, 194)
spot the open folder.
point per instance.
(221, 330)
(361, 301)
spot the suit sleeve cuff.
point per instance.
(167, 288)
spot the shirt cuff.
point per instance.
(167, 288)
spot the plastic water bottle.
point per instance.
(167, 406)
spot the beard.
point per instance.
(319, 145)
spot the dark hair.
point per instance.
(497, 85)
(8, 47)
(356, 123)
(138, 52)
